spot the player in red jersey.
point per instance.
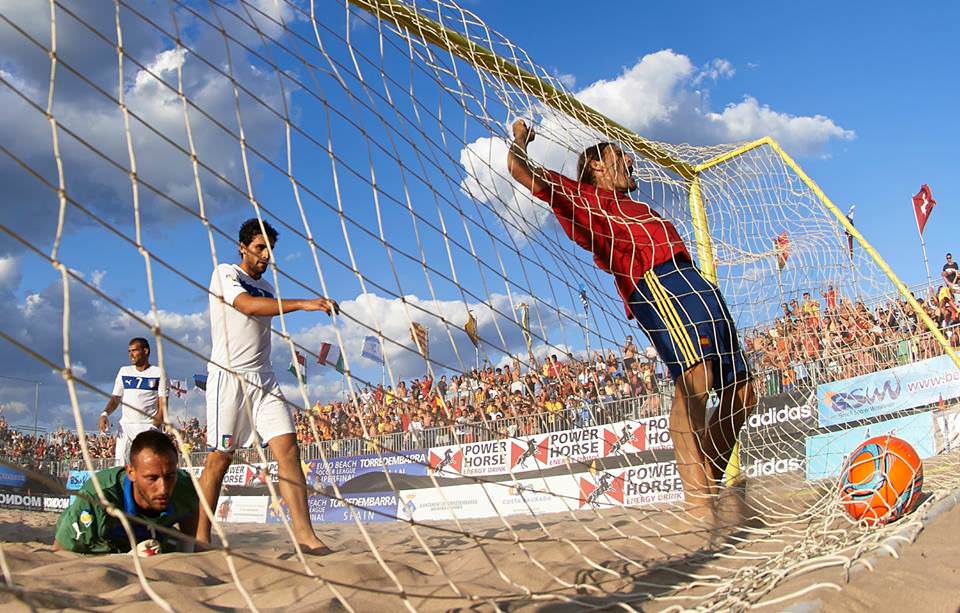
(682, 312)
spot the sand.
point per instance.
(583, 550)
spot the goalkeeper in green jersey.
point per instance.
(149, 488)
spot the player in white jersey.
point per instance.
(142, 391)
(244, 401)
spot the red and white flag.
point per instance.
(178, 387)
(922, 206)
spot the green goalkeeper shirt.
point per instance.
(85, 527)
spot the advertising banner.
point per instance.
(642, 485)
(11, 477)
(947, 427)
(772, 452)
(534, 452)
(76, 479)
(242, 509)
(56, 504)
(790, 411)
(23, 502)
(648, 484)
(895, 389)
(460, 501)
(342, 470)
(371, 507)
(533, 497)
(827, 452)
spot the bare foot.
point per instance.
(702, 516)
(315, 547)
(731, 507)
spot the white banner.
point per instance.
(537, 451)
(242, 509)
(648, 484)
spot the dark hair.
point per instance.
(144, 344)
(593, 153)
(251, 229)
(155, 441)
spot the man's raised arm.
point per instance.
(517, 162)
(268, 307)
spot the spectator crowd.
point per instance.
(38, 450)
(845, 337)
(553, 395)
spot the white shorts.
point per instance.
(242, 404)
(125, 435)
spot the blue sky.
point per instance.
(860, 96)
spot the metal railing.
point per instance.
(841, 365)
(473, 432)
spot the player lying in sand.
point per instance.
(149, 487)
(244, 401)
(681, 312)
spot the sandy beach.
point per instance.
(567, 563)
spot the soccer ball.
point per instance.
(881, 480)
(650, 353)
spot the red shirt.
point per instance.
(831, 296)
(627, 238)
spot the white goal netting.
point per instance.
(480, 364)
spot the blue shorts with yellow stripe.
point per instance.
(688, 322)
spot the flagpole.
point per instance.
(780, 283)
(923, 248)
(586, 334)
(853, 270)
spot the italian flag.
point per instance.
(331, 356)
(299, 369)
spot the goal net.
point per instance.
(478, 366)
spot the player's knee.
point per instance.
(284, 447)
(218, 462)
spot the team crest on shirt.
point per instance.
(226, 441)
(86, 519)
(704, 341)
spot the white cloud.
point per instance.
(715, 70)
(749, 119)
(14, 407)
(566, 79)
(487, 180)
(78, 369)
(9, 272)
(648, 93)
(657, 98)
(97, 277)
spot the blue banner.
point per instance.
(76, 479)
(11, 477)
(827, 452)
(345, 469)
(895, 389)
(376, 507)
